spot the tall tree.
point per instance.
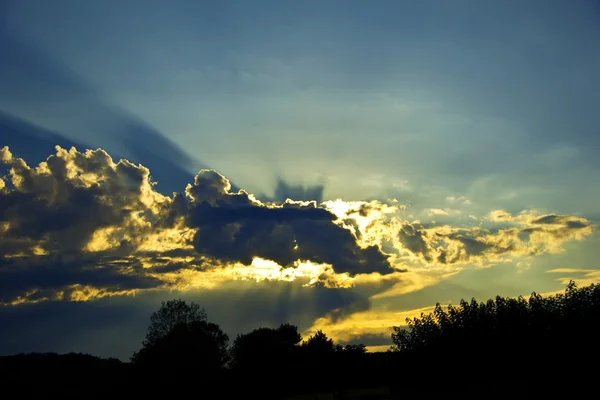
(179, 336)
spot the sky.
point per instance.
(339, 165)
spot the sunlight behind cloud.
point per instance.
(312, 273)
(371, 222)
(107, 232)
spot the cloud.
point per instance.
(80, 226)
(237, 227)
(524, 235)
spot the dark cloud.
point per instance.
(49, 217)
(62, 204)
(63, 277)
(231, 226)
(414, 238)
(567, 221)
(79, 222)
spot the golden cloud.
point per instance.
(81, 226)
(527, 234)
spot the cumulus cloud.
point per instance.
(524, 235)
(237, 227)
(80, 226)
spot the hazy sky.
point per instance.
(468, 129)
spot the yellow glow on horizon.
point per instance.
(370, 322)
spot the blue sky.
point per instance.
(455, 109)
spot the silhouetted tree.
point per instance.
(289, 335)
(180, 337)
(319, 350)
(265, 348)
(170, 314)
(317, 354)
(350, 360)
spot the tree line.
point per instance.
(560, 330)
(482, 338)
(181, 337)
(460, 347)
